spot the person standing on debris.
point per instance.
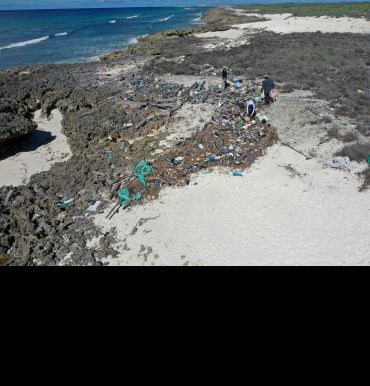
(267, 86)
(251, 108)
(224, 77)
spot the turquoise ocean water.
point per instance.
(82, 35)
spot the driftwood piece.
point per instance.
(149, 118)
(189, 89)
(115, 189)
(194, 86)
(202, 85)
(163, 106)
(290, 147)
(178, 107)
(132, 104)
(114, 210)
(205, 97)
(169, 100)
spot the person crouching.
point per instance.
(251, 108)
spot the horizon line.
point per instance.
(121, 7)
(267, 2)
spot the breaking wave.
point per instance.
(94, 59)
(135, 40)
(132, 17)
(166, 18)
(113, 21)
(62, 34)
(25, 43)
(198, 19)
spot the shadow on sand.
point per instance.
(30, 143)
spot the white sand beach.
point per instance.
(284, 23)
(285, 210)
(287, 23)
(47, 146)
(266, 217)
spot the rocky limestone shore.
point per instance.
(116, 113)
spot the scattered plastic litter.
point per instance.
(142, 170)
(65, 203)
(94, 207)
(124, 195)
(177, 160)
(343, 163)
(229, 139)
(214, 159)
(258, 100)
(239, 84)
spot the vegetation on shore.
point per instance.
(314, 9)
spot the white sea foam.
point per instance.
(132, 17)
(132, 41)
(62, 34)
(94, 59)
(135, 40)
(166, 18)
(25, 43)
(199, 18)
(113, 21)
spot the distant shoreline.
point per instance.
(216, 18)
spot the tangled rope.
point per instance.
(142, 170)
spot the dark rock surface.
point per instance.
(15, 120)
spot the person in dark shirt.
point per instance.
(267, 86)
(224, 77)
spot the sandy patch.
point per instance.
(47, 146)
(188, 120)
(285, 23)
(281, 23)
(224, 39)
(284, 211)
(300, 122)
(228, 34)
(116, 71)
